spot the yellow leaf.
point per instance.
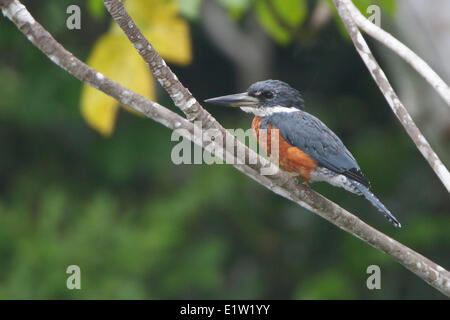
(158, 20)
(117, 59)
(172, 42)
(114, 56)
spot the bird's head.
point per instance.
(263, 98)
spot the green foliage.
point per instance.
(189, 8)
(236, 8)
(388, 6)
(97, 233)
(292, 12)
(281, 18)
(328, 285)
(96, 8)
(270, 23)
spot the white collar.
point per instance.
(267, 111)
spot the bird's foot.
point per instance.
(294, 176)
(298, 180)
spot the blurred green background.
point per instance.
(141, 227)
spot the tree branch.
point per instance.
(280, 183)
(400, 49)
(180, 95)
(391, 97)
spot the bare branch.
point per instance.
(180, 95)
(391, 97)
(280, 183)
(399, 48)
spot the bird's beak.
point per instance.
(235, 100)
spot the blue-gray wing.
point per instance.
(312, 136)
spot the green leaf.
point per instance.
(189, 8)
(96, 8)
(330, 284)
(270, 23)
(387, 6)
(236, 8)
(281, 17)
(292, 12)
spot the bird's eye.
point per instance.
(267, 94)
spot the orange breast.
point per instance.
(290, 158)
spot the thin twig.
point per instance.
(391, 97)
(280, 183)
(399, 48)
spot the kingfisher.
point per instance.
(308, 149)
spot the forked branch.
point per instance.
(400, 49)
(394, 102)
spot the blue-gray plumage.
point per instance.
(310, 148)
(312, 136)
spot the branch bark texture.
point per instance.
(280, 183)
(400, 49)
(391, 97)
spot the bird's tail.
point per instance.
(376, 203)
